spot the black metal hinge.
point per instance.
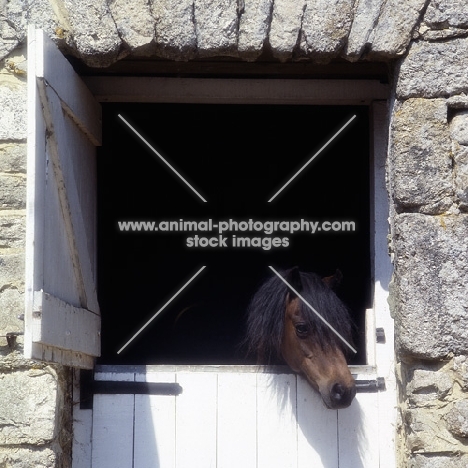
(90, 387)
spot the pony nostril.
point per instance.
(337, 392)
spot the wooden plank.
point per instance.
(358, 433)
(63, 140)
(155, 431)
(277, 422)
(59, 275)
(317, 429)
(235, 91)
(76, 98)
(196, 420)
(35, 186)
(113, 417)
(206, 67)
(237, 420)
(58, 324)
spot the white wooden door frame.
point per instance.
(380, 357)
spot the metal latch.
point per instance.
(368, 386)
(90, 387)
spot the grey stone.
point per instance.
(175, 34)
(420, 157)
(13, 119)
(135, 24)
(395, 26)
(285, 27)
(27, 407)
(51, 17)
(426, 387)
(27, 458)
(459, 101)
(365, 17)
(427, 432)
(12, 232)
(325, 28)
(460, 160)
(457, 419)
(94, 34)
(13, 158)
(441, 34)
(14, 361)
(434, 69)
(11, 270)
(459, 127)
(17, 14)
(216, 25)
(9, 39)
(12, 26)
(253, 28)
(460, 367)
(12, 192)
(438, 461)
(430, 304)
(11, 305)
(447, 13)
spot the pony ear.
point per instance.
(333, 281)
(293, 277)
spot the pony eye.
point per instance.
(302, 330)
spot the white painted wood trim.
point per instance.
(360, 371)
(34, 194)
(61, 325)
(236, 91)
(383, 269)
(370, 337)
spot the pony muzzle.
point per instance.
(339, 395)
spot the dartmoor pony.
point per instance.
(281, 325)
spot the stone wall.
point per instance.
(426, 40)
(101, 32)
(428, 164)
(35, 411)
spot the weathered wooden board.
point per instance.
(155, 425)
(237, 420)
(276, 421)
(317, 429)
(113, 419)
(358, 433)
(196, 418)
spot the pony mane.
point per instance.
(265, 317)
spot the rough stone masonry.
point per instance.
(425, 43)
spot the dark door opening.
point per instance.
(237, 157)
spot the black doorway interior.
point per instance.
(237, 157)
